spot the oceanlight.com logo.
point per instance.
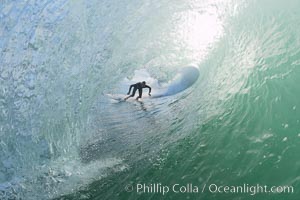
(250, 189)
(158, 188)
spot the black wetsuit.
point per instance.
(138, 86)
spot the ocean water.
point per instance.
(232, 119)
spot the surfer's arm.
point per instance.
(146, 86)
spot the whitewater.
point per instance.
(224, 109)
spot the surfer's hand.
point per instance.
(149, 94)
(127, 93)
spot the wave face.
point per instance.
(232, 120)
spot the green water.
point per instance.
(241, 122)
(238, 124)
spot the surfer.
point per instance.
(138, 86)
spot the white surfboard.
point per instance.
(116, 97)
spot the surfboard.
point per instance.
(116, 97)
(121, 97)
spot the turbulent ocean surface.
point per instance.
(226, 74)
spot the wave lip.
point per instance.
(185, 78)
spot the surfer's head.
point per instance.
(144, 83)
